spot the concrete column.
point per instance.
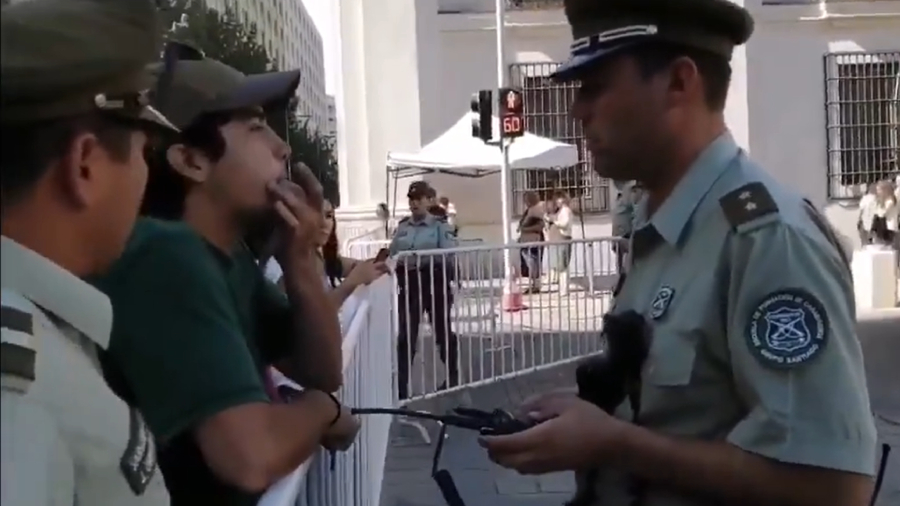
(737, 109)
(389, 55)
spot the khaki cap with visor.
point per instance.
(200, 85)
(63, 58)
(602, 28)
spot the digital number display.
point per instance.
(513, 125)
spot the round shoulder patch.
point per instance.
(787, 328)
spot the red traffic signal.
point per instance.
(512, 113)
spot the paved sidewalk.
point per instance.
(407, 480)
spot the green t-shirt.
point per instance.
(193, 329)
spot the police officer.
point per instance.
(74, 124)
(424, 283)
(754, 391)
(623, 218)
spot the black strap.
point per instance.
(448, 488)
(882, 468)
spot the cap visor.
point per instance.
(263, 89)
(573, 69)
(151, 115)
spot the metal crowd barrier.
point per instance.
(353, 477)
(477, 321)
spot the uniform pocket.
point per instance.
(671, 361)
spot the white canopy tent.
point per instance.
(457, 152)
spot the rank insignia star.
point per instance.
(747, 203)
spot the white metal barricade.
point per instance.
(493, 328)
(355, 476)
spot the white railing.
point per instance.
(353, 477)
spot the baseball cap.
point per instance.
(205, 85)
(63, 58)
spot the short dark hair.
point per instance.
(30, 149)
(166, 188)
(715, 69)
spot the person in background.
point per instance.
(197, 324)
(531, 230)
(879, 214)
(450, 211)
(74, 125)
(424, 286)
(343, 275)
(627, 196)
(559, 233)
(864, 220)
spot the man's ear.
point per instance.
(188, 162)
(82, 171)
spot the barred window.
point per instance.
(547, 114)
(863, 120)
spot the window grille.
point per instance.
(546, 111)
(862, 101)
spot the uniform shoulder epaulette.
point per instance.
(404, 220)
(18, 354)
(748, 204)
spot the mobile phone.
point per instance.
(382, 255)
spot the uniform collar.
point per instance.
(56, 290)
(672, 217)
(426, 220)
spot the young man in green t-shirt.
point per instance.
(196, 322)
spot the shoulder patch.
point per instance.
(787, 328)
(17, 355)
(12, 318)
(748, 203)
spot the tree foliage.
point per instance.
(225, 36)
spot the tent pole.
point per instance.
(504, 163)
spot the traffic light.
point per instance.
(482, 107)
(512, 113)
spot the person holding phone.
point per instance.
(343, 275)
(197, 324)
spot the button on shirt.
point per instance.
(754, 337)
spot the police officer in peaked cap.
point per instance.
(75, 122)
(424, 286)
(754, 390)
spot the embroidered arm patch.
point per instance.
(787, 328)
